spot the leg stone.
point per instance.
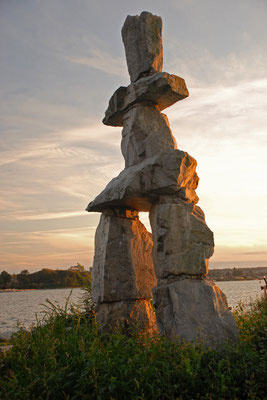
(123, 271)
(183, 243)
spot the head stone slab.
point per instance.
(142, 39)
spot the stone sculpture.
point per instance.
(129, 262)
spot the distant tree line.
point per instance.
(46, 279)
(237, 274)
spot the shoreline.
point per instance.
(24, 290)
(14, 290)
(80, 287)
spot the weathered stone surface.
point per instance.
(183, 243)
(129, 316)
(146, 132)
(142, 38)
(123, 267)
(161, 90)
(171, 172)
(194, 309)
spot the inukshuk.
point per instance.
(162, 180)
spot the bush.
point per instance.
(65, 357)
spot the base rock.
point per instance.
(193, 310)
(128, 316)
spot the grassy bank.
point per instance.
(68, 359)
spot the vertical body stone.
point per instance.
(146, 132)
(142, 38)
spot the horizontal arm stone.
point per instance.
(171, 172)
(161, 89)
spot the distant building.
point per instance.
(77, 267)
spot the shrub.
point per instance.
(65, 357)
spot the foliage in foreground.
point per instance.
(68, 359)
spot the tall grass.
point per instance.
(65, 357)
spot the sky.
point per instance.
(60, 62)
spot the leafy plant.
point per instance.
(65, 357)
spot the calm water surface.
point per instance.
(22, 306)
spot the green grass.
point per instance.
(65, 357)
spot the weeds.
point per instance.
(65, 357)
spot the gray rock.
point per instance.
(161, 89)
(193, 310)
(171, 172)
(146, 132)
(183, 243)
(127, 316)
(142, 38)
(123, 267)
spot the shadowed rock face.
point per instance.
(183, 243)
(123, 267)
(194, 309)
(146, 132)
(142, 38)
(161, 90)
(140, 186)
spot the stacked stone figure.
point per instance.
(162, 180)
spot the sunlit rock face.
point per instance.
(194, 310)
(129, 316)
(142, 39)
(129, 263)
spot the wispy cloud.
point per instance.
(45, 216)
(102, 61)
(242, 105)
(48, 248)
(200, 65)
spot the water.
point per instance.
(245, 291)
(22, 306)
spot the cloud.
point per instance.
(242, 103)
(203, 67)
(49, 248)
(102, 61)
(33, 217)
(254, 253)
